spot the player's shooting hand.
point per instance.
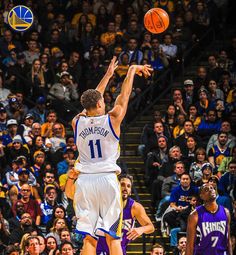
(112, 66)
(134, 233)
(144, 70)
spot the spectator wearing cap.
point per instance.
(68, 162)
(17, 149)
(12, 176)
(64, 90)
(24, 176)
(25, 129)
(31, 206)
(39, 111)
(203, 104)
(11, 132)
(219, 151)
(3, 121)
(47, 126)
(49, 202)
(207, 172)
(4, 92)
(189, 96)
(220, 199)
(38, 163)
(15, 110)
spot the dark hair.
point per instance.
(185, 173)
(127, 176)
(90, 98)
(66, 242)
(11, 248)
(224, 133)
(232, 162)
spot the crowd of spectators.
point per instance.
(43, 72)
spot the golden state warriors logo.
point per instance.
(20, 18)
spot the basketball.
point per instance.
(156, 20)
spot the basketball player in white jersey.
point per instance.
(93, 183)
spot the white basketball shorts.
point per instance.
(98, 205)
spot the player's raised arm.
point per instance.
(101, 86)
(109, 73)
(191, 232)
(122, 100)
(139, 213)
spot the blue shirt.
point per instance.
(182, 197)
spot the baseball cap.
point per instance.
(17, 139)
(214, 178)
(29, 116)
(2, 109)
(38, 153)
(23, 170)
(206, 165)
(11, 122)
(188, 82)
(13, 100)
(41, 100)
(202, 89)
(49, 187)
(20, 56)
(64, 73)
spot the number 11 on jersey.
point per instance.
(92, 146)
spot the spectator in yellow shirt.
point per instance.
(47, 126)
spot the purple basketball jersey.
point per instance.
(212, 232)
(128, 223)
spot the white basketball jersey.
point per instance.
(97, 144)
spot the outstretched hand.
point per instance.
(112, 66)
(144, 70)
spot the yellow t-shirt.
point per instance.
(76, 17)
(47, 125)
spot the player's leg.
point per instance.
(89, 246)
(114, 245)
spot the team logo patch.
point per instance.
(20, 18)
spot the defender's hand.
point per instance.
(144, 70)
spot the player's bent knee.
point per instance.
(90, 240)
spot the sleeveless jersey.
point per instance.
(219, 155)
(212, 232)
(97, 144)
(127, 225)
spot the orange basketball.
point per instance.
(156, 20)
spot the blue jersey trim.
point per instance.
(85, 234)
(76, 126)
(110, 233)
(112, 130)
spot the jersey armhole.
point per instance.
(111, 127)
(75, 131)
